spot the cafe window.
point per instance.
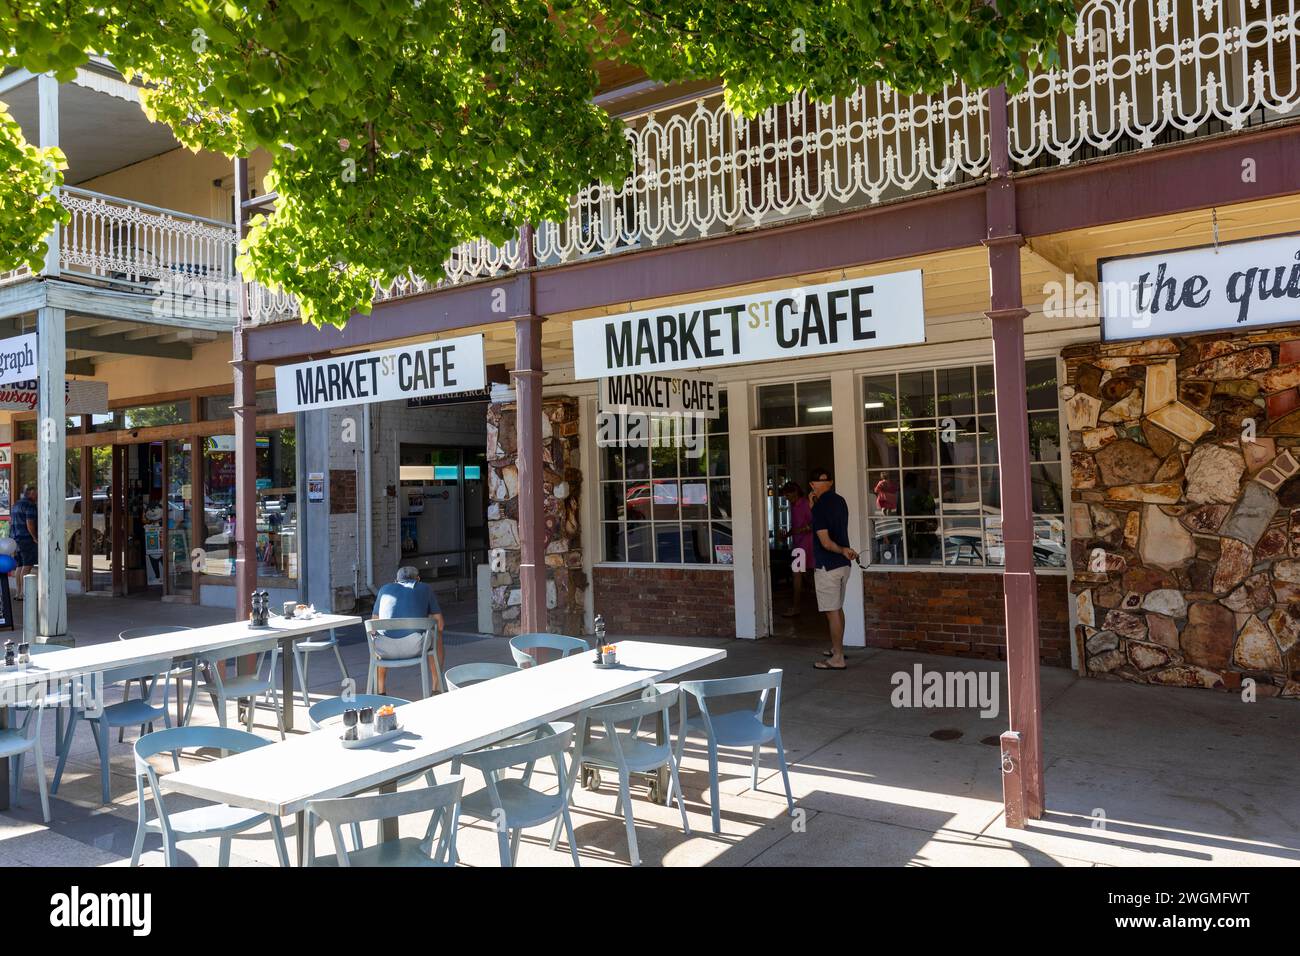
(150, 416)
(933, 492)
(218, 407)
(277, 506)
(666, 498)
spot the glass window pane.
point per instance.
(667, 501)
(920, 492)
(916, 395)
(668, 543)
(994, 551)
(615, 542)
(695, 500)
(1040, 383)
(984, 388)
(882, 446)
(918, 446)
(814, 402)
(612, 500)
(640, 542)
(663, 462)
(957, 441)
(1045, 485)
(718, 426)
(1044, 436)
(611, 459)
(1049, 542)
(720, 499)
(923, 546)
(883, 498)
(148, 416)
(963, 542)
(776, 406)
(960, 490)
(988, 440)
(694, 460)
(722, 548)
(636, 462)
(990, 490)
(879, 398)
(696, 548)
(719, 453)
(886, 540)
(956, 391)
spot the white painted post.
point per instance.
(743, 556)
(47, 98)
(51, 454)
(846, 426)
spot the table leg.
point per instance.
(304, 838)
(4, 764)
(388, 825)
(662, 778)
(286, 681)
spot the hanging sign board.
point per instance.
(81, 398)
(846, 316)
(639, 393)
(1237, 285)
(442, 367)
(17, 358)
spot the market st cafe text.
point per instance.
(681, 336)
(416, 371)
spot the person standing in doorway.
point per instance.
(801, 540)
(22, 525)
(834, 559)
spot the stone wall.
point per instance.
(565, 579)
(1185, 509)
(680, 601)
(943, 612)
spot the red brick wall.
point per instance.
(683, 601)
(959, 614)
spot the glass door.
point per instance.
(180, 518)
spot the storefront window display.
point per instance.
(933, 492)
(277, 505)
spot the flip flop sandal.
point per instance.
(824, 666)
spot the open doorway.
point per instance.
(787, 461)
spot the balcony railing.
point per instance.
(1134, 74)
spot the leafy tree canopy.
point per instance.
(399, 129)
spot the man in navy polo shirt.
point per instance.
(22, 526)
(834, 560)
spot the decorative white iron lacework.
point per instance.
(119, 241)
(699, 170)
(1138, 73)
(15, 275)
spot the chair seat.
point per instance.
(316, 645)
(740, 728)
(130, 712)
(211, 818)
(524, 806)
(404, 852)
(13, 742)
(244, 685)
(640, 754)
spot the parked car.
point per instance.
(100, 541)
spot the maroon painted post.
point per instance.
(1020, 591)
(245, 414)
(532, 494)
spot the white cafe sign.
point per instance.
(1238, 285)
(441, 367)
(845, 316)
(643, 394)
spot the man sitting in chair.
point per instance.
(408, 596)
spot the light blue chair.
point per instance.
(463, 675)
(437, 848)
(627, 751)
(249, 687)
(332, 707)
(17, 741)
(141, 712)
(511, 804)
(302, 651)
(59, 699)
(426, 627)
(182, 667)
(521, 644)
(736, 728)
(206, 822)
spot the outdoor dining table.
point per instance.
(48, 669)
(282, 778)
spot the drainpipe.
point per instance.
(365, 496)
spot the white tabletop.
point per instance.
(110, 655)
(282, 777)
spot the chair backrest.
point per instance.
(133, 632)
(426, 626)
(179, 738)
(462, 675)
(149, 673)
(442, 798)
(655, 699)
(520, 645)
(322, 711)
(761, 684)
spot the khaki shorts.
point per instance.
(831, 586)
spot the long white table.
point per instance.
(198, 642)
(282, 778)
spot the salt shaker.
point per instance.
(366, 723)
(350, 724)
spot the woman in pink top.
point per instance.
(801, 536)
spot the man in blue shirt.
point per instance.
(22, 526)
(834, 559)
(408, 596)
